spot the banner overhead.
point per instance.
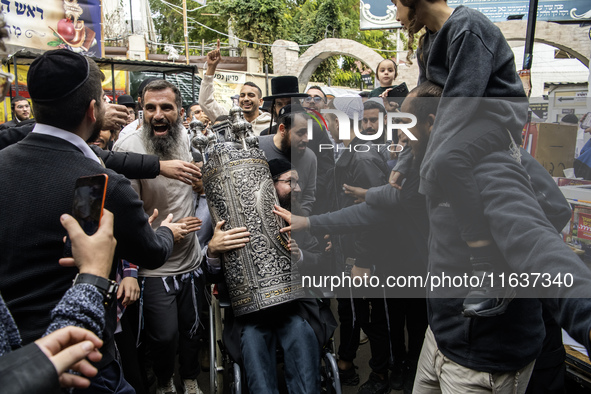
(51, 24)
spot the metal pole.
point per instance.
(131, 15)
(15, 76)
(186, 30)
(193, 84)
(397, 46)
(266, 79)
(529, 37)
(113, 79)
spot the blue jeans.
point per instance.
(258, 344)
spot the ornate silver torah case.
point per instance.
(240, 190)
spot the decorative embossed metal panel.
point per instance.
(240, 191)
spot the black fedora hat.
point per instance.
(284, 87)
(126, 99)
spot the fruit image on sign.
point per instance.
(71, 30)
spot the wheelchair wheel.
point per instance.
(216, 360)
(331, 383)
(236, 379)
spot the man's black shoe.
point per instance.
(375, 385)
(349, 377)
(410, 370)
(397, 376)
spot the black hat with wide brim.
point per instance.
(126, 99)
(284, 87)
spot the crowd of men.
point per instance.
(330, 171)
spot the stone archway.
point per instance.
(571, 38)
(287, 62)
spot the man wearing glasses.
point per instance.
(316, 99)
(314, 103)
(21, 112)
(21, 109)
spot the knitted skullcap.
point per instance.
(57, 74)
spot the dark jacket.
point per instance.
(470, 58)
(131, 165)
(325, 165)
(38, 180)
(529, 244)
(582, 163)
(361, 165)
(403, 215)
(27, 369)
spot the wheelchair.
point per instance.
(225, 371)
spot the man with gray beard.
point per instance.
(170, 308)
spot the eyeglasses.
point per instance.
(292, 182)
(316, 99)
(5, 81)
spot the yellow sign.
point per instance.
(227, 85)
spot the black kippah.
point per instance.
(56, 74)
(279, 166)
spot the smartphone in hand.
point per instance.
(87, 208)
(399, 93)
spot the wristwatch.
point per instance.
(108, 288)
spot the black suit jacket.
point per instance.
(37, 186)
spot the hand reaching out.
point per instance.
(293, 247)
(192, 223)
(395, 180)
(129, 289)
(68, 348)
(225, 241)
(389, 103)
(357, 192)
(179, 230)
(153, 217)
(180, 170)
(114, 117)
(296, 223)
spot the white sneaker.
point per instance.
(191, 386)
(167, 388)
(363, 338)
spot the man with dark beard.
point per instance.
(291, 143)
(170, 309)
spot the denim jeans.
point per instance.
(258, 344)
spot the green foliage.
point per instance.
(315, 20)
(265, 21)
(255, 20)
(169, 24)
